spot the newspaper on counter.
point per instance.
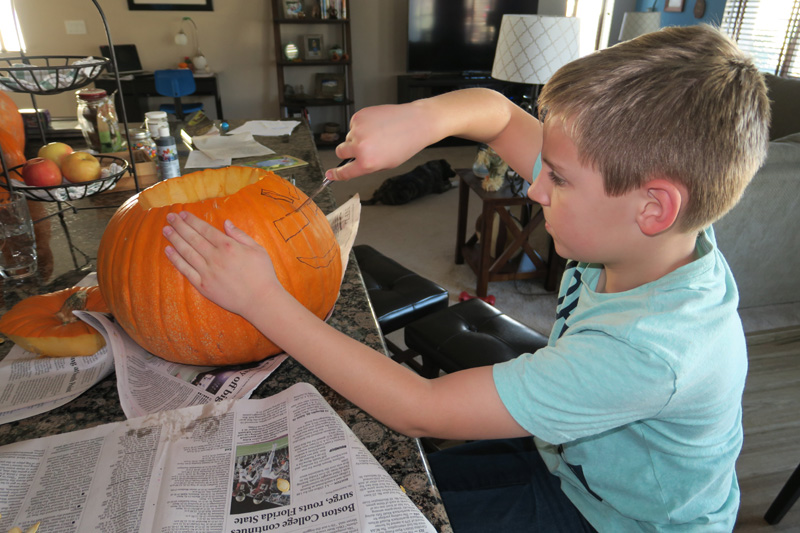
(284, 463)
(31, 385)
(148, 384)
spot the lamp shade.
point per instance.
(530, 48)
(636, 23)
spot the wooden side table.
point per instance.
(477, 252)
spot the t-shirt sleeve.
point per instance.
(585, 384)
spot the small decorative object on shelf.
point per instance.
(329, 85)
(49, 74)
(291, 52)
(292, 8)
(313, 46)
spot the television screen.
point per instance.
(457, 35)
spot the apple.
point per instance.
(79, 167)
(55, 152)
(41, 172)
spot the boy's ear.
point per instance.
(662, 200)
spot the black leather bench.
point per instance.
(466, 335)
(398, 295)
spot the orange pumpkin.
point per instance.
(12, 152)
(44, 324)
(163, 312)
(11, 119)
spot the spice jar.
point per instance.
(140, 140)
(97, 118)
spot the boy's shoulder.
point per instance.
(666, 315)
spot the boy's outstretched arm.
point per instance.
(384, 137)
(233, 271)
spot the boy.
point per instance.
(636, 401)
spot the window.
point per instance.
(10, 39)
(769, 30)
(595, 23)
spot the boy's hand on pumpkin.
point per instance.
(227, 268)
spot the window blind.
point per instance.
(767, 29)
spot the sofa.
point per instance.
(760, 236)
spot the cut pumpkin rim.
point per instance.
(199, 186)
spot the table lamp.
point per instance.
(530, 48)
(198, 60)
(636, 23)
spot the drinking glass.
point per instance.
(17, 242)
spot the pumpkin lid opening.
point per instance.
(199, 186)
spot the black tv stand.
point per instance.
(476, 75)
(416, 85)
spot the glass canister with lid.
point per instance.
(141, 140)
(97, 118)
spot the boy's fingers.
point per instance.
(346, 172)
(182, 265)
(202, 228)
(238, 234)
(183, 252)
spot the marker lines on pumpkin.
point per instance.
(293, 223)
(320, 262)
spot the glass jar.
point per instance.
(97, 118)
(141, 140)
(154, 121)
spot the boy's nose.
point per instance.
(537, 191)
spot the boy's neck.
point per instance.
(655, 259)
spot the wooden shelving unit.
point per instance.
(334, 31)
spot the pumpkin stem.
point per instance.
(75, 302)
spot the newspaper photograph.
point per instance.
(284, 463)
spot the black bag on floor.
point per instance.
(433, 176)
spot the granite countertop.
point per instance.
(72, 240)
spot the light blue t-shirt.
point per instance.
(636, 401)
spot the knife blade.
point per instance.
(325, 183)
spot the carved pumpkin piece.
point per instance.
(161, 310)
(44, 324)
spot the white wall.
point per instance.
(236, 38)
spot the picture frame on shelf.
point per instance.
(674, 6)
(329, 85)
(161, 5)
(312, 46)
(292, 9)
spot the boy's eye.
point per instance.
(555, 179)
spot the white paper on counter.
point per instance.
(231, 146)
(198, 159)
(267, 128)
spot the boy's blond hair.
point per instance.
(682, 102)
